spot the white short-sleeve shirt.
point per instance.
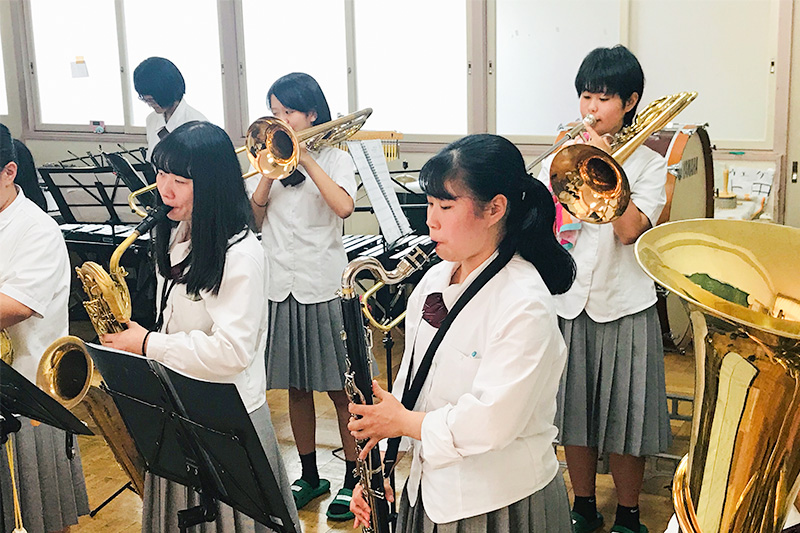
(302, 236)
(35, 271)
(609, 283)
(155, 121)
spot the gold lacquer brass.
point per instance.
(590, 183)
(739, 282)
(67, 374)
(273, 148)
(6, 348)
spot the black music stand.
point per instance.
(18, 396)
(209, 446)
(132, 179)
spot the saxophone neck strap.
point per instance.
(411, 392)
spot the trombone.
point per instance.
(589, 182)
(273, 148)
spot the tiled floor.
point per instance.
(103, 476)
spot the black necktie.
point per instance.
(163, 132)
(434, 310)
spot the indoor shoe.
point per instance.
(622, 529)
(303, 492)
(339, 508)
(581, 525)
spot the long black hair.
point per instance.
(203, 153)
(487, 165)
(612, 71)
(301, 92)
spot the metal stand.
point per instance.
(108, 500)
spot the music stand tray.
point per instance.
(210, 446)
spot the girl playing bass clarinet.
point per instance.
(211, 288)
(481, 430)
(301, 218)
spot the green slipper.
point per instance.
(339, 508)
(581, 525)
(622, 529)
(303, 492)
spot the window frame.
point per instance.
(481, 80)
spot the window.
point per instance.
(190, 41)
(282, 37)
(78, 58)
(76, 62)
(411, 65)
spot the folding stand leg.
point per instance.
(108, 500)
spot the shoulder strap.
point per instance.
(411, 394)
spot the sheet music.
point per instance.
(371, 164)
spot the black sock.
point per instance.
(350, 478)
(586, 506)
(628, 517)
(310, 474)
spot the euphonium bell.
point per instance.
(273, 148)
(739, 282)
(589, 182)
(66, 371)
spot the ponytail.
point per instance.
(530, 231)
(488, 165)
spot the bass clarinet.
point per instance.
(358, 379)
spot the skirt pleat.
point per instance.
(305, 349)
(163, 498)
(613, 393)
(545, 511)
(51, 487)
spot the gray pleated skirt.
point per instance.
(613, 395)
(51, 488)
(163, 499)
(545, 511)
(305, 349)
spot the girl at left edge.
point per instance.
(212, 324)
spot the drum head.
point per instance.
(687, 150)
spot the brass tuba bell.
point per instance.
(740, 284)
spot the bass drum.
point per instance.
(690, 194)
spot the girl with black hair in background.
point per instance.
(160, 85)
(482, 429)
(301, 218)
(211, 284)
(34, 295)
(613, 394)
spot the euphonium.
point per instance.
(66, 371)
(67, 374)
(6, 348)
(740, 284)
(273, 148)
(358, 379)
(589, 182)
